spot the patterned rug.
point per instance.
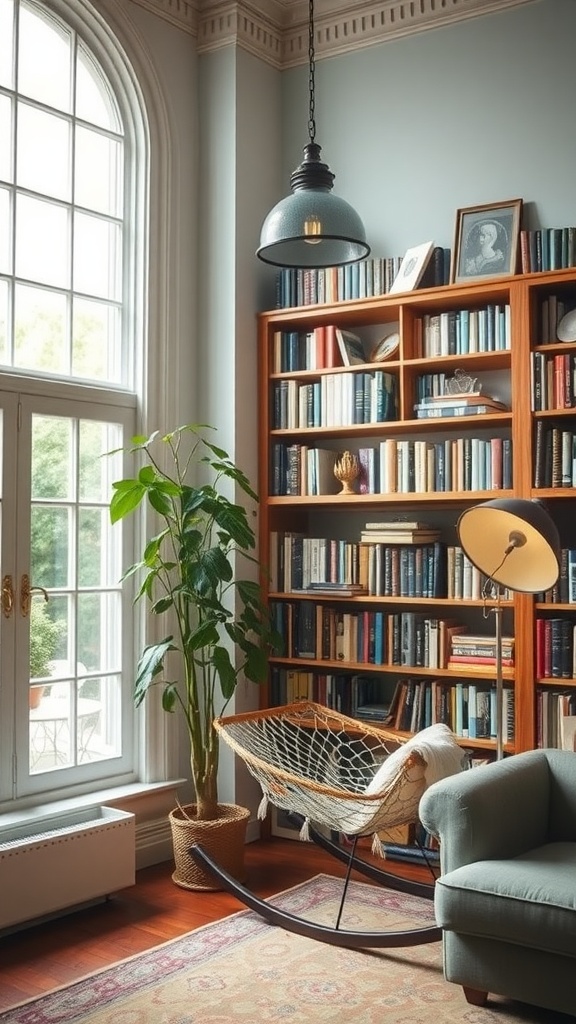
(243, 971)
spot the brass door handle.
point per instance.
(7, 596)
(26, 592)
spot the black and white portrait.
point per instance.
(486, 241)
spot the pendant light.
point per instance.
(312, 227)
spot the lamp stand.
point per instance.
(497, 610)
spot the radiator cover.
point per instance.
(61, 860)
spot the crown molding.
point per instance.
(276, 31)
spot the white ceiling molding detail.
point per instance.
(221, 24)
(277, 30)
(182, 13)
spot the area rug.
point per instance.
(243, 971)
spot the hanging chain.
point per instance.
(312, 69)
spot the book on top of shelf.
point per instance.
(351, 348)
(399, 537)
(335, 589)
(427, 412)
(412, 267)
(398, 524)
(477, 398)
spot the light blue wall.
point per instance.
(477, 112)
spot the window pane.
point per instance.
(98, 184)
(7, 43)
(96, 468)
(40, 329)
(98, 555)
(5, 131)
(97, 257)
(98, 632)
(94, 99)
(50, 534)
(44, 61)
(50, 731)
(52, 458)
(5, 232)
(96, 341)
(42, 242)
(4, 322)
(99, 719)
(43, 153)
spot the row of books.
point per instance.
(556, 718)
(454, 464)
(564, 590)
(555, 648)
(554, 456)
(552, 310)
(319, 348)
(328, 567)
(373, 276)
(319, 632)
(342, 399)
(462, 331)
(360, 696)
(298, 562)
(540, 249)
(553, 380)
(468, 708)
(547, 249)
(464, 581)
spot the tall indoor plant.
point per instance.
(189, 570)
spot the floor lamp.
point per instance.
(515, 544)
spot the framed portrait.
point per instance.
(486, 241)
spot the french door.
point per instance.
(65, 635)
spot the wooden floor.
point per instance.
(46, 956)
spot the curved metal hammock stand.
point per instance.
(321, 766)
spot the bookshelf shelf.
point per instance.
(493, 454)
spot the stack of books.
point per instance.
(470, 404)
(469, 651)
(399, 532)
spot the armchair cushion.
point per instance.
(529, 900)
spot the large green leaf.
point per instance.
(225, 670)
(150, 665)
(127, 497)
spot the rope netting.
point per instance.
(327, 767)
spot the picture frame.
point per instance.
(412, 267)
(486, 241)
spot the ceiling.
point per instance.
(277, 30)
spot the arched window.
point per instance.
(70, 276)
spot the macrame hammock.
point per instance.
(337, 774)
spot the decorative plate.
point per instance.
(566, 330)
(386, 348)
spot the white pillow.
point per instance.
(437, 745)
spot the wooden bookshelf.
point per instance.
(504, 362)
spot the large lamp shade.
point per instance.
(514, 541)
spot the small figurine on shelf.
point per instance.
(346, 470)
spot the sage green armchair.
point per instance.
(506, 896)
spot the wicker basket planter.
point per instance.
(223, 839)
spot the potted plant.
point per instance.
(190, 571)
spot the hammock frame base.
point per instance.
(323, 933)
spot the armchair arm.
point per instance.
(495, 811)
